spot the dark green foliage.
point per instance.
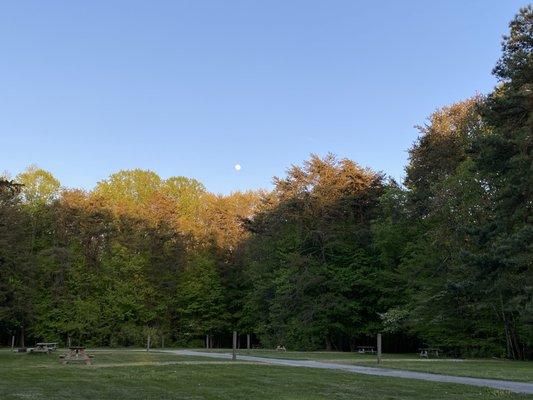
(16, 290)
(503, 159)
(314, 274)
(468, 270)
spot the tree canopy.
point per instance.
(332, 255)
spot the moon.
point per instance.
(237, 167)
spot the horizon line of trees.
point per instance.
(332, 255)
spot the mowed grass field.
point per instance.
(126, 374)
(477, 368)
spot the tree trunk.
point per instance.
(22, 344)
(511, 341)
(328, 343)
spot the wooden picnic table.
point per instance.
(76, 354)
(43, 347)
(50, 345)
(366, 349)
(427, 352)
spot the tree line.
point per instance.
(332, 255)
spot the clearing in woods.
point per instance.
(127, 374)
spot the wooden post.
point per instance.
(148, 343)
(13, 342)
(379, 348)
(248, 341)
(234, 354)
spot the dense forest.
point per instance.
(334, 254)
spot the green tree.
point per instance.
(503, 161)
(310, 258)
(129, 191)
(16, 291)
(38, 186)
(200, 302)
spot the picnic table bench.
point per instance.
(75, 355)
(427, 352)
(366, 349)
(43, 347)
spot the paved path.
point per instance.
(517, 387)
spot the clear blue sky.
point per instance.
(194, 87)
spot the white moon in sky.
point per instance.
(237, 167)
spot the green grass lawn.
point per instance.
(122, 374)
(477, 368)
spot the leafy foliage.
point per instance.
(332, 255)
